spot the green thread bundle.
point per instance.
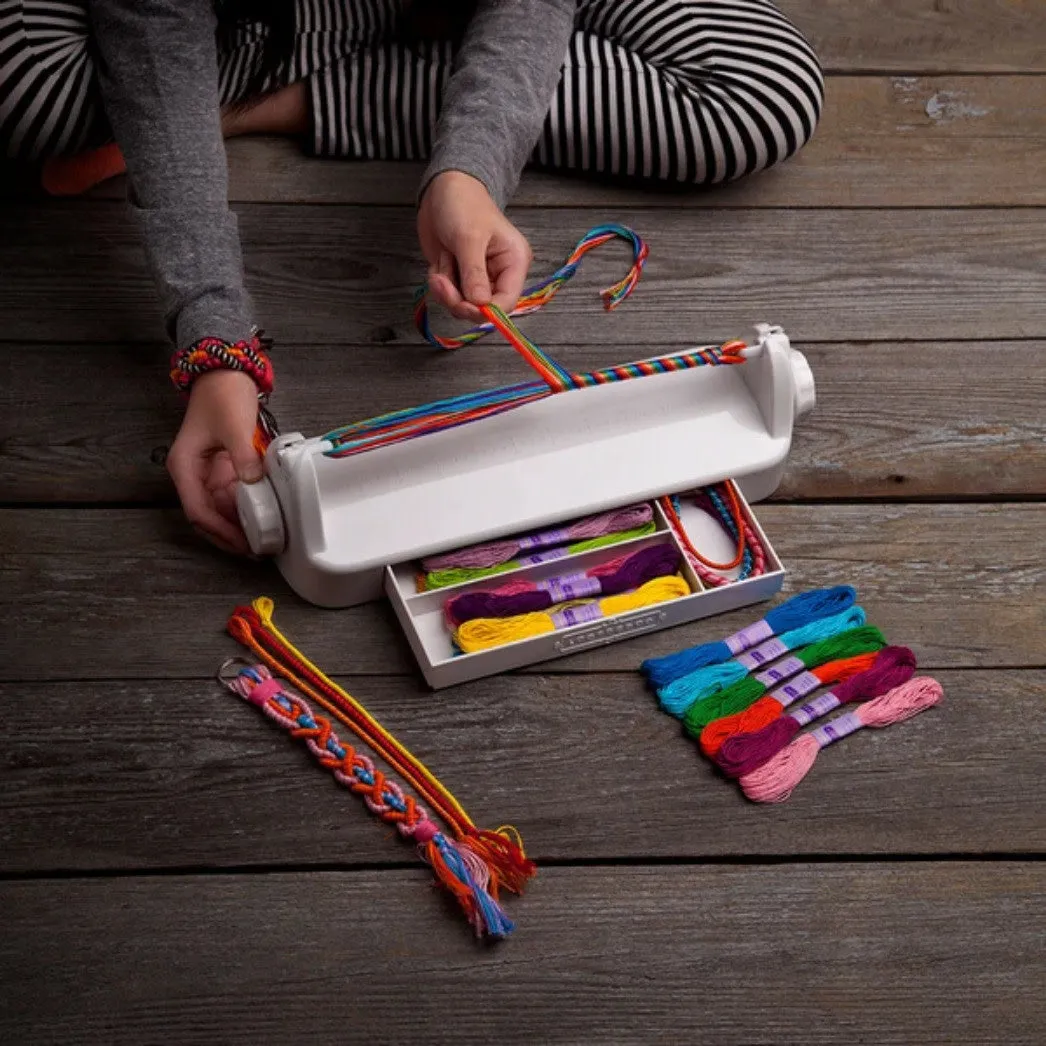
(739, 696)
(459, 575)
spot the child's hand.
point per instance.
(213, 450)
(475, 254)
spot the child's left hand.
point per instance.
(475, 254)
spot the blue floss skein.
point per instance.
(680, 694)
(801, 609)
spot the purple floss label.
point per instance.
(816, 708)
(550, 583)
(803, 684)
(542, 557)
(748, 637)
(785, 669)
(544, 539)
(563, 589)
(837, 729)
(763, 654)
(576, 615)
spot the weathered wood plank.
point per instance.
(337, 275)
(945, 36)
(132, 594)
(817, 955)
(892, 420)
(104, 776)
(926, 141)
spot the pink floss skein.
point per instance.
(775, 780)
(495, 553)
(744, 752)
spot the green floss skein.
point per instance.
(459, 575)
(745, 692)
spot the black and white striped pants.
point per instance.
(693, 91)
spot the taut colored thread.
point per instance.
(463, 875)
(442, 415)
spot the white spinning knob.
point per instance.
(261, 518)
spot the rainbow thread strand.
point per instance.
(500, 851)
(465, 877)
(542, 293)
(442, 415)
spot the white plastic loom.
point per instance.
(341, 529)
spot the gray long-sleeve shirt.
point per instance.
(158, 72)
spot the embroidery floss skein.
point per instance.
(776, 779)
(630, 572)
(495, 553)
(800, 610)
(456, 869)
(486, 632)
(742, 694)
(768, 708)
(679, 695)
(501, 851)
(460, 575)
(744, 752)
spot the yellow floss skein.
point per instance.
(485, 632)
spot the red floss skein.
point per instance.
(775, 780)
(743, 753)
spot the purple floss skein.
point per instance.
(640, 567)
(800, 610)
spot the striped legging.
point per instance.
(692, 91)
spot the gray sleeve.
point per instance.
(158, 74)
(499, 93)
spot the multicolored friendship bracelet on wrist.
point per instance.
(461, 872)
(249, 357)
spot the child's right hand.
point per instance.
(213, 451)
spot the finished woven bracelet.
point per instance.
(209, 354)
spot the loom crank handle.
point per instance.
(260, 517)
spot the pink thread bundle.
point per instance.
(495, 553)
(763, 747)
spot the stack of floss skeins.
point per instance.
(645, 577)
(737, 697)
(500, 557)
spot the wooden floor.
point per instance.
(172, 869)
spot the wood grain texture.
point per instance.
(900, 141)
(130, 594)
(904, 955)
(945, 36)
(892, 420)
(115, 776)
(823, 275)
